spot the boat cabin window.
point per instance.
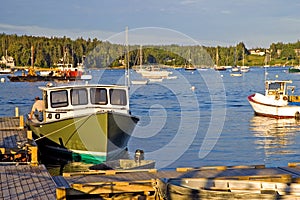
(98, 96)
(59, 98)
(276, 87)
(118, 97)
(79, 97)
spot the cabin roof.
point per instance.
(278, 81)
(44, 88)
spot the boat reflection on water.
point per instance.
(275, 136)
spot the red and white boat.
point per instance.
(276, 102)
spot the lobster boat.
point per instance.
(276, 102)
(89, 121)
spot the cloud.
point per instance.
(187, 2)
(226, 12)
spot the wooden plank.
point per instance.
(282, 178)
(12, 123)
(26, 182)
(114, 187)
(221, 168)
(107, 172)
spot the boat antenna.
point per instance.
(266, 74)
(127, 58)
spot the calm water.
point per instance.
(212, 124)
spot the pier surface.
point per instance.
(26, 182)
(22, 177)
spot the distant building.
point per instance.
(7, 61)
(297, 51)
(257, 52)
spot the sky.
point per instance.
(256, 23)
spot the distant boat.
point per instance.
(7, 64)
(5, 70)
(37, 78)
(217, 67)
(220, 68)
(153, 72)
(139, 82)
(89, 121)
(295, 69)
(155, 79)
(236, 74)
(190, 67)
(276, 102)
(235, 69)
(245, 69)
(172, 77)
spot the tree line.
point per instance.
(99, 54)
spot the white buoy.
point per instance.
(193, 88)
(2, 80)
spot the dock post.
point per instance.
(16, 111)
(61, 193)
(34, 155)
(21, 122)
(29, 135)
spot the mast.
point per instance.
(32, 51)
(190, 59)
(243, 57)
(127, 58)
(217, 56)
(141, 57)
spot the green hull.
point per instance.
(99, 136)
(294, 70)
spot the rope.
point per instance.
(51, 133)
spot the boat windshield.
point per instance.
(79, 97)
(59, 98)
(118, 97)
(276, 87)
(98, 96)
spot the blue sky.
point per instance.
(257, 23)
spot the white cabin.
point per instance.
(79, 100)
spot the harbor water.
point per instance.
(201, 118)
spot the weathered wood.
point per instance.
(115, 187)
(26, 182)
(15, 146)
(107, 172)
(11, 123)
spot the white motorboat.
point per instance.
(276, 102)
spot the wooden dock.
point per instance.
(20, 174)
(114, 184)
(16, 143)
(22, 177)
(24, 181)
